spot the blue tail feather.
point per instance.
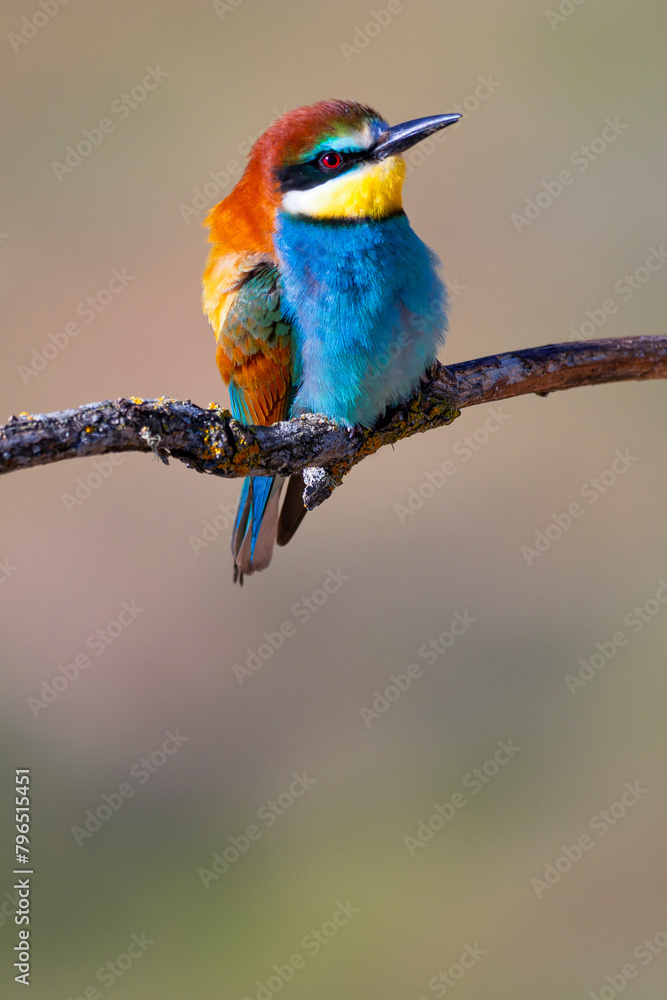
(261, 488)
(241, 509)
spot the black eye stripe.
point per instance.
(302, 176)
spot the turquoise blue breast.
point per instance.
(368, 311)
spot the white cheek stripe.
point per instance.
(319, 201)
(313, 200)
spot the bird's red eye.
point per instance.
(331, 160)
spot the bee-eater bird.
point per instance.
(322, 297)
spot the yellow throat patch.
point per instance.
(372, 191)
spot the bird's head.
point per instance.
(339, 159)
(334, 159)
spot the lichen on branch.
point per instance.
(210, 441)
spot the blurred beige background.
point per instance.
(547, 83)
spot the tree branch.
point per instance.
(212, 442)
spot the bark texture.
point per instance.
(210, 441)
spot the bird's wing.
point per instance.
(254, 337)
(256, 360)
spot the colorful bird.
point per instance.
(322, 298)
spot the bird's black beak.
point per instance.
(398, 138)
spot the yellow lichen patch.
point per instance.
(213, 450)
(222, 410)
(136, 399)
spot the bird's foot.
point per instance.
(354, 431)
